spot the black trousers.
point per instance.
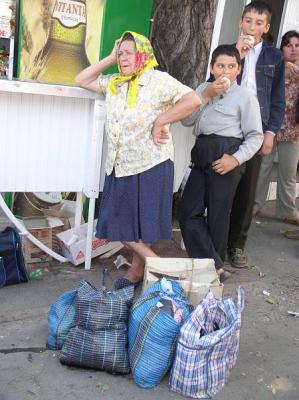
(206, 236)
(241, 213)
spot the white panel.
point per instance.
(290, 20)
(183, 142)
(216, 31)
(230, 23)
(46, 143)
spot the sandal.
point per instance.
(124, 282)
(224, 276)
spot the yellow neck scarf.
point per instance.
(144, 60)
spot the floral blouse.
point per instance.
(131, 148)
(289, 130)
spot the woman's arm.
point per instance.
(184, 107)
(88, 77)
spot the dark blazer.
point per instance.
(270, 85)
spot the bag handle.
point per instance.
(142, 300)
(190, 280)
(240, 299)
(104, 277)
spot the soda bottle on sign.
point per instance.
(64, 55)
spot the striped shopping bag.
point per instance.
(154, 325)
(208, 346)
(99, 337)
(61, 316)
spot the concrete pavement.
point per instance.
(268, 362)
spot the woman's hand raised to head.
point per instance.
(113, 54)
(88, 77)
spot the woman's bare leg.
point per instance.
(140, 251)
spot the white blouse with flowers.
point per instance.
(131, 148)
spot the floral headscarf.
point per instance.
(144, 60)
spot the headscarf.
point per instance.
(144, 60)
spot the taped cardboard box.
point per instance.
(67, 220)
(73, 244)
(196, 275)
(44, 230)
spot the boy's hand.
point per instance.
(225, 164)
(214, 89)
(267, 145)
(160, 134)
(244, 44)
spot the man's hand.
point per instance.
(244, 44)
(225, 164)
(267, 145)
(160, 134)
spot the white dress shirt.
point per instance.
(248, 76)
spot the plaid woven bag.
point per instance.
(208, 347)
(153, 332)
(99, 338)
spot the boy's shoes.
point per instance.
(292, 221)
(237, 258)
(292, 234)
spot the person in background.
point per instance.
(141, 102)
(263, 75)
(286, 143)
(228, 130)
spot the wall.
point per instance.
(230, 24)
(119, 16)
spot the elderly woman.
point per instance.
(141, 102)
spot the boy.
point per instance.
(263, 75)
(228, 128)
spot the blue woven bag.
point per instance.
(153, 332)
(61, 316)
(208, 347)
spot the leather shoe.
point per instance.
(292, 221)
(292, 234)
(237, 258)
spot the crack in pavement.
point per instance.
(24, 350)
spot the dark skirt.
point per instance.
(137, 207)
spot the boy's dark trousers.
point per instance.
(206, 237)
(241, 213)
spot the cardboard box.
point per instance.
(43, 229)
(196, 276)
(73, 244)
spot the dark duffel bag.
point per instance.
(12, 265)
